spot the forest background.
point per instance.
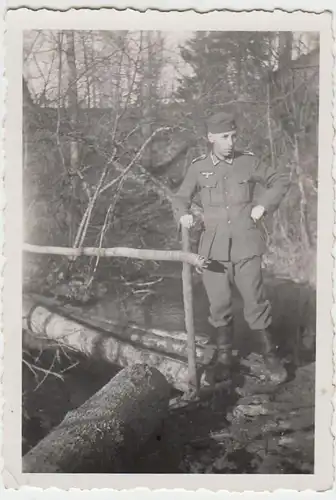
(112, 120)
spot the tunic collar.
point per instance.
(216, 160)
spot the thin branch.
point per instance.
(47, 373)
(59, 83)
(26, 56)
(119, 116)
(81, 232)
(269, 125)
(88, 90)
(34, 368)
(90, 70)
(106, 224)
(135, 159)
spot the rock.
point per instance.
(251, 410)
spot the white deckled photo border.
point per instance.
(109, 19)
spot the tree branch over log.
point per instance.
(130, 253)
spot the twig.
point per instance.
(81, 232)
(60, 43)
(47, 373)
(99, 189)
(145, 284)
(101, 240)
(30, 366)
(135, 159)
(270, 135)
(29, 51)
(34, 368)
(70, 367)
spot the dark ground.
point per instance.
(228, 433)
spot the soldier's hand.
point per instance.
(257, 212)
(202, 264)
(187, 221)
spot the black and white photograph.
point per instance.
(171, 184)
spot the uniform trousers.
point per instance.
(247, 276)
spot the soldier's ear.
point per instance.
(211, 137)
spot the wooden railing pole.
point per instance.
(189, 314)
(130, 253)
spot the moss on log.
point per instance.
(106, 433)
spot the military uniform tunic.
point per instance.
(230, 234)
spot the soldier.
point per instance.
(232, 238)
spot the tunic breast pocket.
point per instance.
(243, 190)
(210, 191)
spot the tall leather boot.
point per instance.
(222, 370)
(274, 366)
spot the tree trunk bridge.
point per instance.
(105, 433)
(178, 357)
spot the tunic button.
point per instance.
(227, 207)
(229, 222)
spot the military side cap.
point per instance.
(221, 122)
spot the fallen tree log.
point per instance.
(106, 433)
(122, 347)
(169, 342)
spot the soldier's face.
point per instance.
(223, 143)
